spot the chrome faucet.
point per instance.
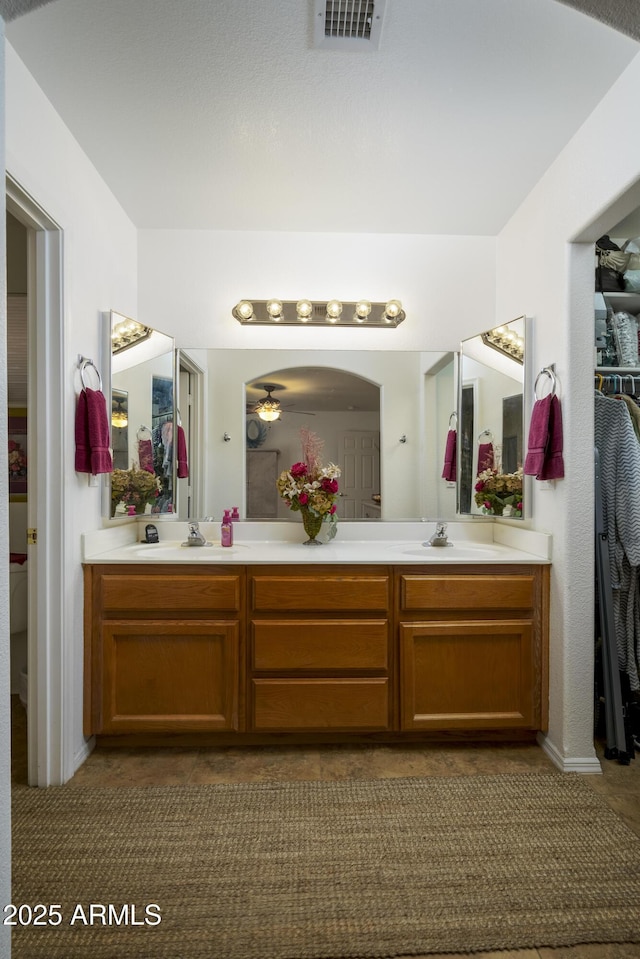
(194, 536)
(439, 538)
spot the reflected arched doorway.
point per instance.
(343, 409)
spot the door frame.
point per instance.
(50, 680)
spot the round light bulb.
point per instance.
(334, 309)
(244, 309)
(274, 309)
(304, 309)
(392, 310)
(363, 309)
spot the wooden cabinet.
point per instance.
(473, 649)
(256, 653)
(165, 649)
(320, 649)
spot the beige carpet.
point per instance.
(310, 870)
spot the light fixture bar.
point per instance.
(506, 341)
(365, 314)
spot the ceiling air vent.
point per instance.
(348, 24)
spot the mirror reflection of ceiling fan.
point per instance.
(268, 408)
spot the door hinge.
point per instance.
(32, 536)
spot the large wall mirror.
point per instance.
(143, 417)
(491, 422)
(394, 406)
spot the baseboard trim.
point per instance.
(570, 764)
(83, 754)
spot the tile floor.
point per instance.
(619, 786)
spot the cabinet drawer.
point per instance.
(467, 592)
(324, 592)
(329, 644)
(169, 592)
(320, 704)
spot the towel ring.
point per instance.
(545, 371)
(83, 363)
(454, 416)
(486, 433)
(144, 433)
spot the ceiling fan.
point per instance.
(268, 408)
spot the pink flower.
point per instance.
(333, 509)
(298, 469)
(303, 499)
(479, 486)
(519, 506)
(487, 504)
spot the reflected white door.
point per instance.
(359, 460)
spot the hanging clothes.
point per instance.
(619, 451)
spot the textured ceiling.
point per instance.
(220, 114)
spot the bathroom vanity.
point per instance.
(389, 642)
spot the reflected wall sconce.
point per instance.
(506, 341)
(127, 333)
(363, 313)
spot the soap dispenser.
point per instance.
(226, 530)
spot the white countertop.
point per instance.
(393, 543)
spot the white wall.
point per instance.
(99, 273)
(5, 716)
(189, 280)
(541, 275)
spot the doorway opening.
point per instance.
(48, 673)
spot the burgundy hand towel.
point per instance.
(145, 455)
(183, 465)
(99, 435)
(538, 435)
(450, 461)
(485, 457)
(553, 463)
(83, 451)
(544, 454)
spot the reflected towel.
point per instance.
(183, 465)
(145, 455)
(450, 460)
(544, 452)
(92, 434)
(485, 457)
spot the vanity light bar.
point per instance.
(128, 333)
(505, 341)
(335, 312)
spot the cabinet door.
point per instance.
(469, 675)
(169, 676)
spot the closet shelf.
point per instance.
(630, 302)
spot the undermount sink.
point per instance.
(178, 551)
(452, 552)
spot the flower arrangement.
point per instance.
(311, 488)
(17, 460)
(499, 494)
(134, 487)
